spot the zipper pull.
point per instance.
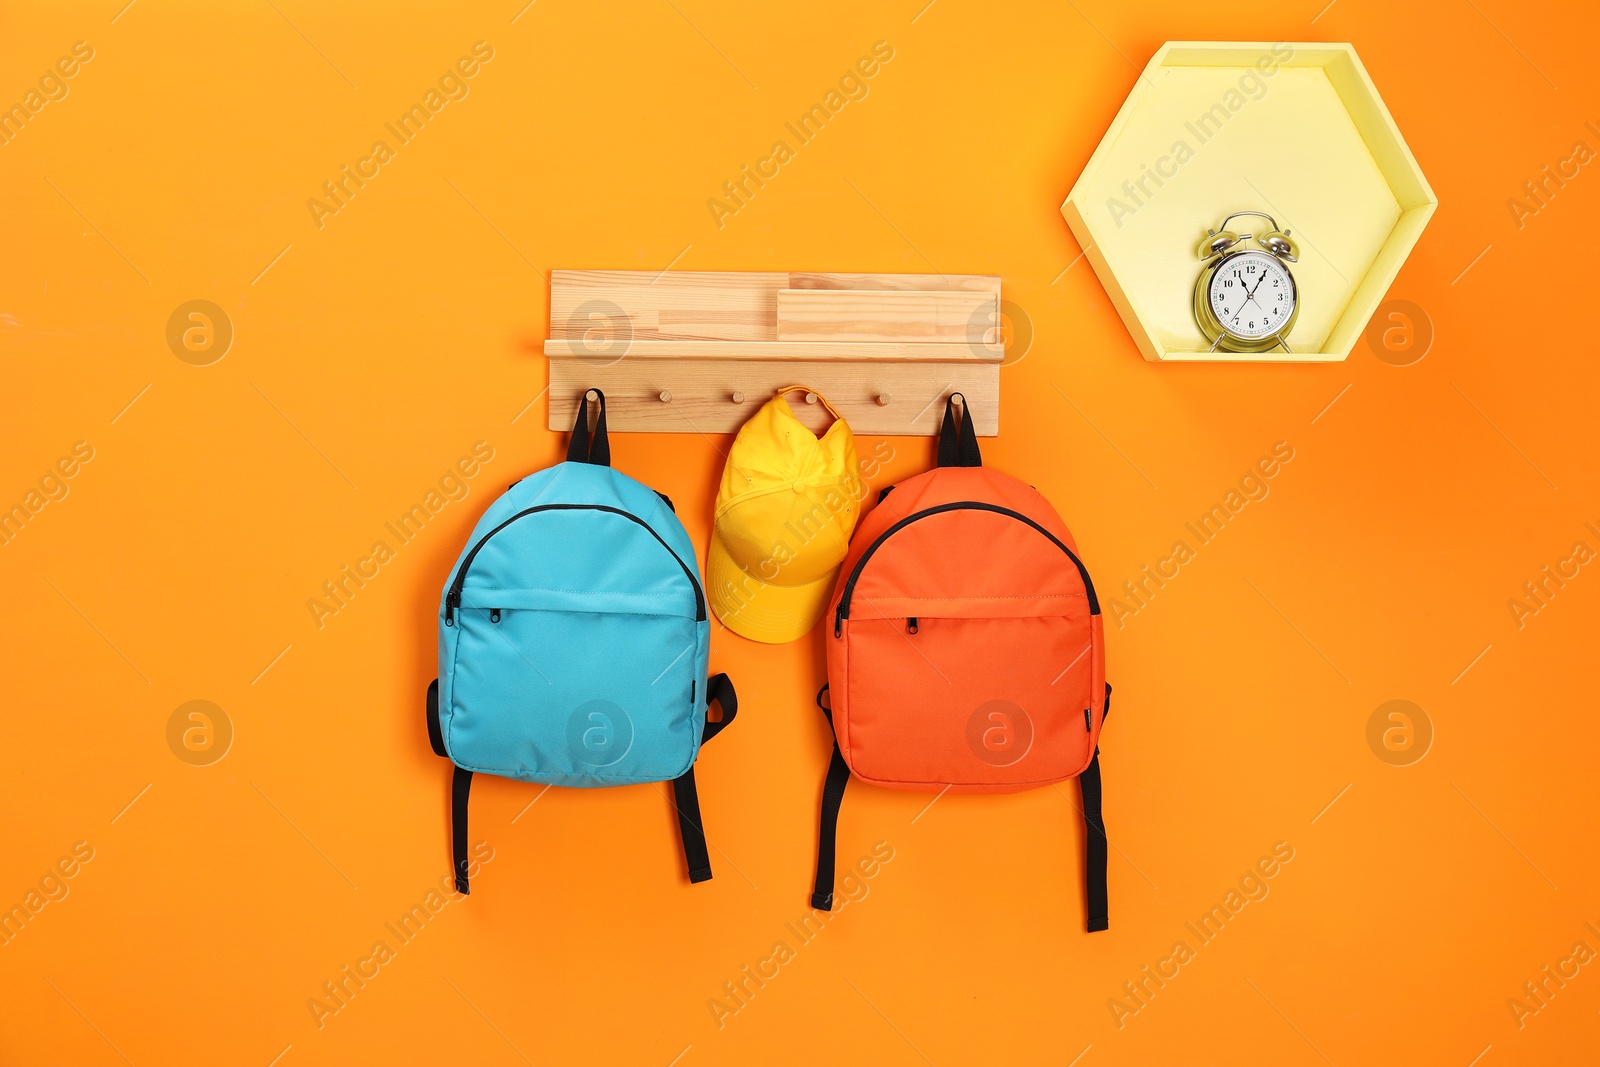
(494, 614)
(452, 601)
(1088, 722)
(911, 625)
(838, 622)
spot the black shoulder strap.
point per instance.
(580, 449)
(720, 691)
(958, 445)
(686, 798)
(1094, 860)
(828, 824)
(695, 853)
(460, 788)
(828, 829)
(435, 732)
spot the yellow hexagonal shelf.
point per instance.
(1294, 130)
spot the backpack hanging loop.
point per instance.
(581, 449)
(958, 443)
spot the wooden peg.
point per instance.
(738, 397)
(883, 400)
(811, 398)
(666, 397)
(591, 396)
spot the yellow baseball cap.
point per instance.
(785, 511)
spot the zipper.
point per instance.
(452, 599)
(911, 625)
(843, 611)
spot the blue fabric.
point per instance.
(595, 672)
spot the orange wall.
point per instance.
(382, 344)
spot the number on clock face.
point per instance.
(1252, 295)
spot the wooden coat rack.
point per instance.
(689, 351)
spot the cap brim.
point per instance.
(751, 608)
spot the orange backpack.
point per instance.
(965, 650)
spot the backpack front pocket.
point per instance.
(546, 694)
(995, 703)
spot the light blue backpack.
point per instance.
(573, 642)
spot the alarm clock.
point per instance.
(1245, 299)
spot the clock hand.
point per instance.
(1250, 297)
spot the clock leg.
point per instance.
(1285, 345)
(1215, 343)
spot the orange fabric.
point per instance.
(986, 691)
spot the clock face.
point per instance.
(1252, 295)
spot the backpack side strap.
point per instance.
(686, 798)
(1095, 844)
(435, 732)
(828, 829)
(828, 824)
(460, 789)
(720, 691)
(1094, 861)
